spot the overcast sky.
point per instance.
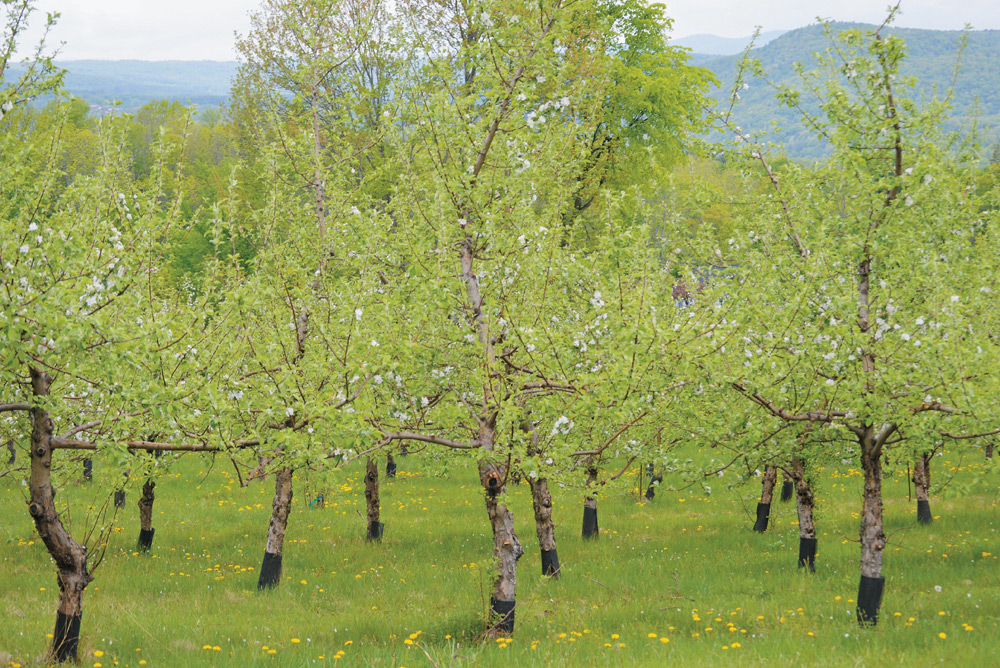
(203, 29)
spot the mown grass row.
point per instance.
(681, 578)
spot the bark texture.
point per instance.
(375, 526)
(767, 483)
(270, 572)
(872, 534)
(804, 501)
(506, 547)
(69, 556)
(390, 466)
(804, 504)
(541, 501)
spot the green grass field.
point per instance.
(679, 579)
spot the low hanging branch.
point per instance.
(428, 438)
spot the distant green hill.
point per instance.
(723, 46)
(136, 82)
(931, 59)
(932, 55)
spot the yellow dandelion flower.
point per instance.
(942, 635)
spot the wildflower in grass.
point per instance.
(296, 640)
(664, 639)
(614, 636)
(652, 635)
(98, 653)
(942, 635)
(407, 642)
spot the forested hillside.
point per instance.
(137, 82)
(933, 56)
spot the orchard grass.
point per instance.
(679, 579)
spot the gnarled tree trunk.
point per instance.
(390, 466)
(375, 527)
(146, 529)
(541, 501)
(767, 483)
(590, 529)
(69, 556)
(922, 483)
(270, 570)
(13, 452)
(804, 503)
(506, 547)
(872, 534)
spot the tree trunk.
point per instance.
(13, 452)
(872, 534)
(989, 451)
(541, 501)
(88, 469)
(654, 480)
(767, 483)
(69, 556)
(590, 529)
(270, 570)
(922, 483)
(146, 529)
(375, 527)
(787, 488)
(506, 548)
(390, 466)
(804, 504)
